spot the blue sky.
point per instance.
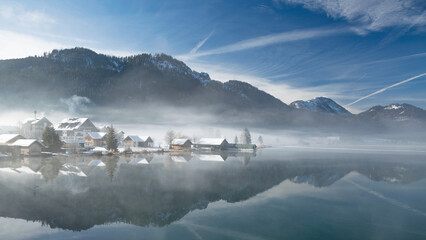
(293, 49)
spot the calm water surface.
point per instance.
(274, 194)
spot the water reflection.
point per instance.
(77, 193)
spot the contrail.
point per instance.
(266, 40)
(386, 88)
(389, 200)
(200, 44)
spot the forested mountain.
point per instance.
(161, 87)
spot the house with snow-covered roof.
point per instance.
(75, 128)
(181, 144)
(212, 144)
(31, 147)
(138, 141)
(6, 139)
(34, 127)
(95, 139)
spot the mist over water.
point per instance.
(283, 192)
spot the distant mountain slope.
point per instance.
(157, 88)
(320, 104)
(394, 112)
(108, 80)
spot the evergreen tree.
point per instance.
(236, 140)
(111, 140)
(51, 140)
(111, 165)
(245, 136)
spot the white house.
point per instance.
(75, 128)
(34, 127)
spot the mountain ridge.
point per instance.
(142, 82)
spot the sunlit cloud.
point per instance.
(17, 45)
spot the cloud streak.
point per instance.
(386, 88)
(267, 40)
(200, 44)
(375, 15)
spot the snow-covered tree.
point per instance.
(236, 139)
(260, 140)
(245, 136)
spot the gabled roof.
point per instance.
(180, 141)
(34, 121)
(145, 138)
(96, 135)
(211, 141)
(71, 123)
(135, 138)
(6, 138)
(26, 142)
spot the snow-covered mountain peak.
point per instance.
(320, 104)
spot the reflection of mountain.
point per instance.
(158, 193)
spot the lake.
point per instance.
(288, 193)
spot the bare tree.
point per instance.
(170, 135)
(260, 140)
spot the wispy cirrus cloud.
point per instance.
(374, 14)
(22, 16)
(262, 41)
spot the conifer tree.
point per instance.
(245, 136)
(51, 140)
(111, 140)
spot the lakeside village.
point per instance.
(75, 136)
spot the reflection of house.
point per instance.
(75, 128)
(34, 128)
(181, 144)
(137, 141)
(30, 147)
(6, 139)
(212, 144)
(137, 161)
(94, 139)
(210, 157)
(73, 145)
